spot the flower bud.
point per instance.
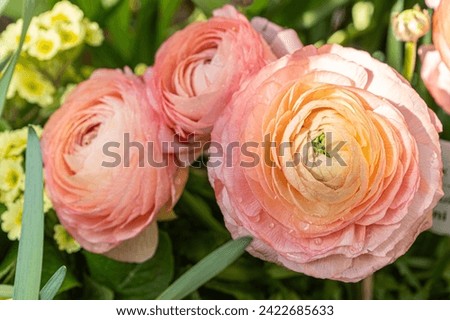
(411, 24)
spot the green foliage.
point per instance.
(206, 269)
(130, 280)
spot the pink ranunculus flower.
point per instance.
(441, 30)
(106, 182)
(435, 70)
(198, 69)
(349, 171)
(436, 76)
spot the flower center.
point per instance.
(319, 145)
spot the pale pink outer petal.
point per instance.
(281, 41)
(441, 30)
(432, 3)
(137, 249)
(436, 76)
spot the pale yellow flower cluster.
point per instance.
(64, 240)
(12, 180)
(51, 33)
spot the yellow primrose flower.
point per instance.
(46, 45)
(94, 35)
(62, 12)
(47, 203)
(12, 219)
(71, 35)
(33, 87)
(12, 179)
(64, 240)
(13, 143)
(12, 33)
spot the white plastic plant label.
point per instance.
(441, 214)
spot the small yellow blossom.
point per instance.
(71, 35)
(12, 179)
(64, 240)
(47, 203)
(12, 219)
(140, 69)
(34, 88)
(46, 45)
(13, 143)
(94, 35)
(62, 12)
(12, 33)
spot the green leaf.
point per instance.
(3, 4)
(28, 10)
(6, 291)
(206, 269)
(198, 208)
(4, 63)
(53, 259)
(51, 288)
(96, 291)
(394, 47)
(9, 262)
(31, 244)
(166, 11)
(209, 5)
(131, 280)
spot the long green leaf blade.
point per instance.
(51, 288)
(28, 10)
(31, 244)
(206, 269)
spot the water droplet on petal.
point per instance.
(271, 225)
(318, 241)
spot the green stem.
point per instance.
(367, 288)
(6, 291)
(410, 60)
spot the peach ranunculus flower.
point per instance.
(105, 190)
(441, 30)
(435, 70)
(349, 171)
(197, 69)
(436, 76)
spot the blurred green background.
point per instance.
(134, 29)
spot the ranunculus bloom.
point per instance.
(435, 70)
(198, 69)
(352, 171)
(441, 30)
(108, 194)
(436, 76)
